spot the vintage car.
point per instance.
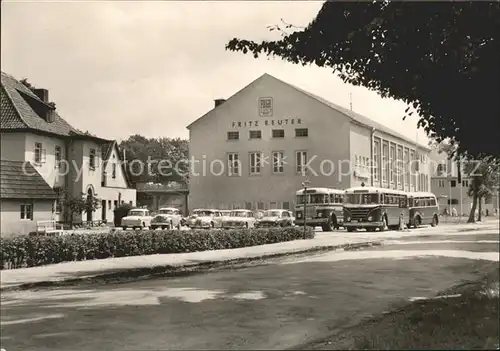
(205, 218)
(239, 219)
(275, 218)
(136, 218)
(167, 218)
(225, 214)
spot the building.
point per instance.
(249, 151)
(451, 192)
(44, 158)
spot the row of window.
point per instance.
(41, 157)
(285, 205)
(257, 162)
(275, 133)
(453, 183)
(424, 201)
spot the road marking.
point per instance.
(35, 319)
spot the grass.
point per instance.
(470, 321)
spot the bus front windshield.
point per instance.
(313, 199)
(362, 199)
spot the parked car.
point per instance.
(136, 218)
(275, 218)
(225, 214)
(205, 218)
(167, 218)
(239, 219)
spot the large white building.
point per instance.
(249, 150)
(43, 157)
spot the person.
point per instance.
(401, 221)
(454, 212)
(487, 212)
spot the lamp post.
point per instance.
(305, 183)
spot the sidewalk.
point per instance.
(174, 264)
(140, 266)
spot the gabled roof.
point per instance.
(106, 150)
(20, 180)
(353, 116)
(18, 115)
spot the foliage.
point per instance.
(485, 178)
(173, 151)
(445, 67)
(30, 251)
(120, 212)
(78, 204)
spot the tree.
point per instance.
(168, 158)
(439, 58)
(485, 177)
(79, 204)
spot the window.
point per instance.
(40, 155)
(414, 168)
(278, 158)
(400, 168)
(301, 160)
(452, 202)
(278, 133)
(376, 153)
(273, 205)
(407, 168)
(465, 183)
(265, 107)
(393, 164)
(92, 159)
(285, 205)
(441, 169)
(255, 134)
(109, 204)
(115, 203)
(453, 183)
(301, 132)
(233, 164)
(255, 162)
(233, 135)
(57, 154)
(113, 172)
(260, 205)
(248, 205)
(385, 168)
(441, 183)
(27, 211)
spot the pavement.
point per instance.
(278, 304)
(145, 266)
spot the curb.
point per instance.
(136, 274)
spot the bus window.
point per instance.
(402, 202)
(370, 199)
(433, 201)
(339, 198)
(326, 199)
(332, 198)
(416, 202)
(301, 199)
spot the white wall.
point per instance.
(11, 222)
(47, 169)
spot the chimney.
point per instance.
(219, 102)
(43, 94)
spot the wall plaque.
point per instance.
(266, 106)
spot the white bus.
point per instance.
(372, 208)
(323, 208)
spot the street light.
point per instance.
(305, 183)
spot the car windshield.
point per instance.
(136, 213)
(203, 213)
(272, 214)
(362, 199)
(166, 211)
(240, 214)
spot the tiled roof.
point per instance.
(19, 114)
(19, 183)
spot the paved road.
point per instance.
(274, 306)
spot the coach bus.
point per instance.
(374, 208)
(423, 209)
(323, 208)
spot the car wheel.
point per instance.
(246, 225)
(418, 222)
(212, 225)
(350, 229)
(434, 221)
(154, 227)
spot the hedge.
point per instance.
(32, 251)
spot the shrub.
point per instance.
(120, 212)
(31, 251)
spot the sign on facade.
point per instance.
(265, 107)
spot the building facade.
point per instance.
(256, 148)
(37, 142)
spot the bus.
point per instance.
(423, 209)
(323, 208)
(374, 208)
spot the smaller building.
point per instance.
(25, 198)
(156, 196)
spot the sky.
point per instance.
(152, 67)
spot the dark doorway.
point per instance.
(103, 209)
(89, 198)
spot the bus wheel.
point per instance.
(350, 229)
(418, 222)
(434, 221)
(330, 225)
